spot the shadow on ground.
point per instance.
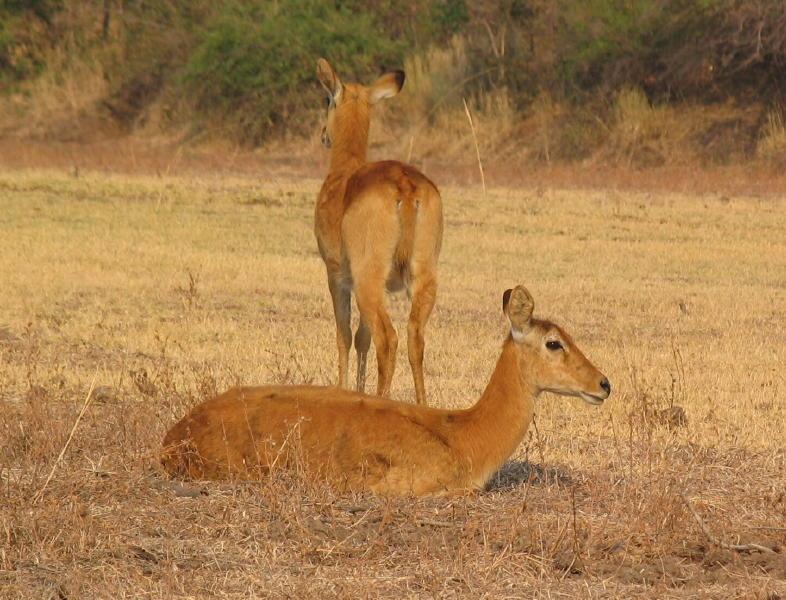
(517, 472)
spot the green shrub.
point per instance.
(604, 42)
(145, 56)
(446, 18)
(255, 65)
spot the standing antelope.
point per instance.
(378, 226)
(364, 442)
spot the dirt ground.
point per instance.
(287, 161)
(159, 290)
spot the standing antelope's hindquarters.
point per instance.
(361, 442)
(378, 228)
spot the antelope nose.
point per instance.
(604, 383)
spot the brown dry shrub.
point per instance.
(643, 134)
(771, 146)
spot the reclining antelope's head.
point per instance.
(549, 360)
(348, 104)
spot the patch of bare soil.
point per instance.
(295, 160)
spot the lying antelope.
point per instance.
(364, 442)
(378, 226)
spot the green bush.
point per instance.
(607, 43)
(675, 49)
(145, 56)
(446, 18)
(255, 65)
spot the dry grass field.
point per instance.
(163, 291)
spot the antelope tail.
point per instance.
(408, 213)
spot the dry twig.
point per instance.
(433, 523)
(477, 148)
(85, 405)
(721, 543)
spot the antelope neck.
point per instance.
(497, 422)
(350, 136)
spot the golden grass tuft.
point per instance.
(771, 146)
(643, 134)
(435, 80)
(545, 115)
(61, 103)
(175, 288)
(428, 122)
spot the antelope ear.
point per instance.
(517, 304)
(328, 78)
(386, 86)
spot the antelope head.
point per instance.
(341, 95)
(548, 357)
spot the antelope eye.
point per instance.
(328, 101)
(554, 345)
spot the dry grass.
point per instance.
(435, 79)
(649, 135)
(428, 121)
(63, 103)
(545, 116)
(772, 142)
(171, 289)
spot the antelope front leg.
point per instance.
(341, 308)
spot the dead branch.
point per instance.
(721, 544)
(85, 405)
(433, 523)
(477, 148)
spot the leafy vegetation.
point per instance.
(243, 69)
(255, 62)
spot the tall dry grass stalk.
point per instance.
(85, 406)
(477, 148)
